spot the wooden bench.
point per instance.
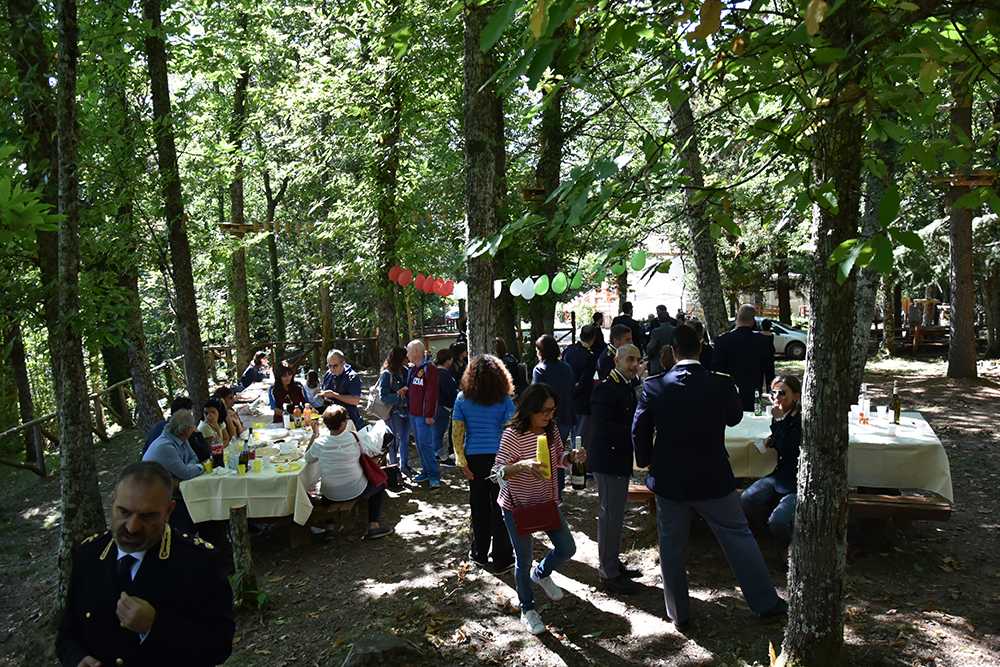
(324, 512)
(859, 505)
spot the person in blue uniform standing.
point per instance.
(688, 409)
(746, 356)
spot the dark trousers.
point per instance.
(375, 495)
(487, 521)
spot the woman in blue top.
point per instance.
(482, 410)
(392, 391)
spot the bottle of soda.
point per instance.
(758, 404)
(897, 403)
(218, 458)
(578, 475)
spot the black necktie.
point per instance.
(125, 564)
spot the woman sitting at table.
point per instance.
(286, 390)
(211, 427)
(228, 416)
(312, 390)
(776, 492)
(341, 475)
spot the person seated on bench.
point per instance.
(776, 492)
(341, 475)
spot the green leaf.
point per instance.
(543, 56)
(845, 266)
(498, 23)
(907, 238)
(842, 251)
(881, 260)
(829, 54)
(888, 208)
(972, 200)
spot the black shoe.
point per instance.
(628, 572)
(501, 568)
(620, 586)
(375, 533)
(484, 563)
(778, 610)
(682, 626)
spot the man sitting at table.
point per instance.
(342, 386)
(342, 477)
(775, 494)
(172, 451)
(256, 371)
(201, 448)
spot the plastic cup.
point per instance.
(208, 466)
(855, 412)
(258, 465)
(241, 468)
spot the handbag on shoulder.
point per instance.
(372, 470)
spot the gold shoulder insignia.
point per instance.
(165, 543)
(725, 375)
(204, 543)
(91, 538)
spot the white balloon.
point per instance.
(461, 291)
(515, 287)
(528, 289)
(497, 288)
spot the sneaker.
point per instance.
(484, 563)
(422, 477)
(533, 622)
(375, 533)
(550, 587)
(778, 610)
(434, 484)
(408, 472)
(620, 585)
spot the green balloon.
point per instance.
(639, 260)
(618, 268)
(542, 285)
(577, 281)
(560, 283)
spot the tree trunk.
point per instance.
(195, 372)
(482, 133)
(868, 278)
(784, 290)
(506, 312)
(326, 319)
(706, 260)
(31, 58)
(621, 284)
(116, 369)
(890, 316)
(82, 511)
(388, 107)
(18, 361)
(962, 319)
(273, 199)
(143, 385)
(238, 284)
(814, 633)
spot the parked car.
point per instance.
(789, 341)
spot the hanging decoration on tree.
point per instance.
(427, 284)
(532, 286)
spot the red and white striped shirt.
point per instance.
(523, 488)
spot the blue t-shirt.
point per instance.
(349, 384)
(484, 424)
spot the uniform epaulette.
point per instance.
(203, 543)
(93, 537)
(725, 375)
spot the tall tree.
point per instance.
(815, 631)
(273, 199)
(482, 132)
(237, 216)
(962, 318)
(706, 260)
(82, 511)
(185, 304)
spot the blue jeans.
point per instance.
(423, 433)
(399, 424)
(442, 426)
(769, 495)
(563, 549)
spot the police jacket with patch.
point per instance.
(679, 432)
(748, 357)
(193, 602)
(612, 408)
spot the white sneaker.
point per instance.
(533, 622)
(549, 586)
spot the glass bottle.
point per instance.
(578, 475)
(897, 403)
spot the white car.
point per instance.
(789, 341)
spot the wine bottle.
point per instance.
(758, 406)
(897, 403)
(578, 476)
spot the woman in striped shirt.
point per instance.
(523, 483)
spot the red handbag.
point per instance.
(373, 471)
(539, 517)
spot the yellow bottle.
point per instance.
(542, 456)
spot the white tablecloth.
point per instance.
(265, 494)
(912, 458)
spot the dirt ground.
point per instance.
(924, 594)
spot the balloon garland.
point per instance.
(427, 284)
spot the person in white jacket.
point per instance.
(341, 475)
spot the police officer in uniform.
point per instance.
(609, 457)
(746, 356)
(143, 594)
(688, 409)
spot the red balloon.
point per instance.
(439, 286)
(418, 282)
(405, 277)
(394, 273)
(449, 288)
